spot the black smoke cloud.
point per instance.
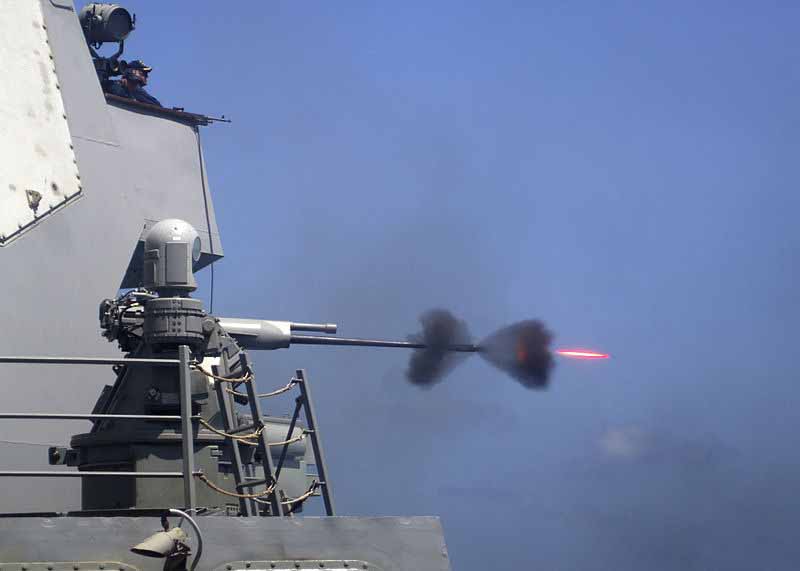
(521, 350)
(440, 329)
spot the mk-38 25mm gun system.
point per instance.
(179, 436)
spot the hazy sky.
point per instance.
(626, 171)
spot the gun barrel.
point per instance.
(321, 340)
(258, 333)
(317, 327)
(263, 334)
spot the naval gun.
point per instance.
(251, 464)
(183, 395)
(266, 334)
(181, 425)
(162, 320)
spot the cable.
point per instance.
(274, 393)
(289, 441)
(197, 533)
(250, 436)
(246, 378)
(311, 489)
(245, 438)
(203, 478)
(211, 302)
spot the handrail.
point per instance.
(184, 373)
(80, 474)
(188, 472)
(70, 416)
(89, 361)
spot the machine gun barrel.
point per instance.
(320, 340)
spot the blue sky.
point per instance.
(626, 171)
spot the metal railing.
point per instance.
(188, 473)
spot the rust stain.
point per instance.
(34, 198)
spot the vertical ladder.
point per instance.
(306, 403)
(303, 402)
(316, 441)
(244, 483)
(247, 507)
(270, 477)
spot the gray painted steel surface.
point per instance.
(413, 543)
(56, 273)
(136, 166)
(34, 136)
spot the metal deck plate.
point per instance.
(301, 565)
(342, 543)
(67, 566)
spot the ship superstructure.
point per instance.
(181, 467)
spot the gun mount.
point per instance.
(181, 426)
(161, 321)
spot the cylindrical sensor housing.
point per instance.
(171, 248)
(105, 23)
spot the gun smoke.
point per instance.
(522, 350)
(440, 330)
